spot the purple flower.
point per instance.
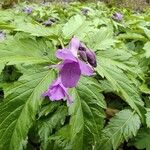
(117, 16)
(77, 60)
(72, 67)
(28, 10)
(47, 23)
(85, 11)
(2, 35)
(57, 91)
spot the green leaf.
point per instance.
(142, 139)
(146, 31)
(6, 15)
(37, 29)
(27, 51)
(144, 88)
(130, 35)
(86, 117)
(101, 39)
(123, 126)
(1, 67)
(147, 49)
(148, 117)
(46, 125)
(73, 26)
(21, 104)
(112, 69)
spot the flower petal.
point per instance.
(57, 93)
(70, 74)
(85, 69)
(65, 54)
(74, 46)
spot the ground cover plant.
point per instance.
(74, 77)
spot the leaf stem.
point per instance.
(61, 42)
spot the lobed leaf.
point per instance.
(123, 126)
(19, 109)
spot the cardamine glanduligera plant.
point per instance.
(77, 60)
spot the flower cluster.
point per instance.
(27, 10)
(49, 22)
(77, 60)
(117, 16)
(85, 11)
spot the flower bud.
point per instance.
(82, 55)
(91, 58)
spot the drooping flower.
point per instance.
(77, 60)
(57, 91)
(27, 10)
(72, 67)
(117, 16)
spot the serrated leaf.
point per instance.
(18, 111)
(101, 39)
(146, 31)
(45, 126)
(27, 51)
(130, 35)
(147, 49)
(120, 82)
(144, 88)
(123, 126)
(148, 117)
(86, 117)
(37, 29)
(86, 120)
(73, 26)
(1, 67)
(142, 139)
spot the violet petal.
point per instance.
(86, 69)
(70, 74)
(74, 46)
(65, 54)
(56, 90)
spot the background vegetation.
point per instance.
(132, 4)
(111, 109)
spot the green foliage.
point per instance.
(24, 51)
(146, 48)
(109, 109)
(87, 109)
(122, 127)
(18, 111)
(112, 69)
(142, 139)
(72, 27)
